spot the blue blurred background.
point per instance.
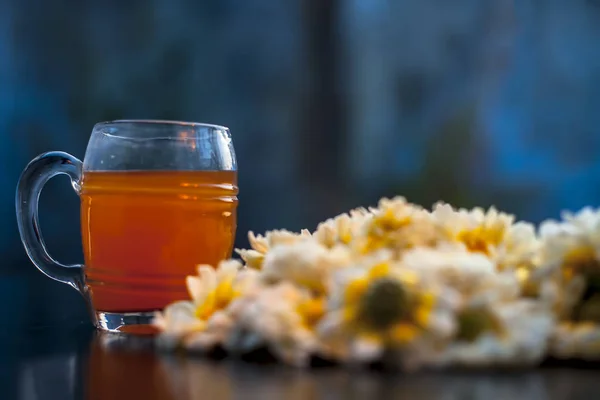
(332, 104)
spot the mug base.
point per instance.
(135, 323)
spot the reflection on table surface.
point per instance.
(89, 365)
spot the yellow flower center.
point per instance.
(581, 260)
(403, 333)
(529, 287)
(381, 228)
(218, 299)
(389, 222)
(589, 310)
(474, 322)
(346, 236)
(311, 311)
(480, 239)
(384, 303)
(386, 308)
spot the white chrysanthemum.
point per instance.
(570, 264)
(202, 321)
(305, 263)
(474, 275)
(398, 205)
(575, 240)
(580, 341)
(449, 263)
(521, 247)
(270, 317)
(520, 254)
(517, 334)
(447, 287)
(261, 245)
(478, 230)
(494, 325)
(397, 225)
(562, 295)
(585, 220)
(341, 229)
(379, 307)
(177, 321)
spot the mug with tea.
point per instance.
(158, 198)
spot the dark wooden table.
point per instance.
(81, 364)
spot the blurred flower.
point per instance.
(341, 229)
(278, 317)
(260, 245)
(404, 285)
(512, 333)
(510, 246)
(494, 325)
(177, 321)
(452, 266)
(377, 308)
(520, 254)
(305, 263)
(521, 247)
(211, 292)
(570, 259)
(474, 322)
(397, 225)
(479, 231)
(580, 341)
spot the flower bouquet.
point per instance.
(402, 285)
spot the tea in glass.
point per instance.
(144, 232)
(157, 199)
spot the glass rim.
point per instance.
(158, 122)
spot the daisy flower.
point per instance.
(494, 325)
(341, 229)
(570, 282)
(379, 308)
(570, 270)
(451, 266)
(260, 245)
(511, 333)
(279, 317)
(202, 320)
(397, 225)
(511, 246)
(304, 263)
(478, 230)
(401, 284)
(520, 254)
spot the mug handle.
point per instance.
(39, 171)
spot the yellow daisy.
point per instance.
(211, 292)
(397, 225)
(341, 229)
(520, 253)
(260, 245)
(478, 230)
(373, 309)
(570, 269)
(509, 333)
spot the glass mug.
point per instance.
(157, 199)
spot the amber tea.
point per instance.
(144, 232)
